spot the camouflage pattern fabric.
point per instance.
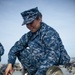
(30, 15)
(1, 50)
(38, 51)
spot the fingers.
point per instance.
(8, 70)
(11, 72)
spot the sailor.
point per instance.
(39, 48)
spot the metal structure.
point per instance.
(54, 70)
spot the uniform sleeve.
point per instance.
(55, 49)
(1, 49)
(18, 46)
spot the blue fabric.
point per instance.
(38, 51)
(30, 15)
(1, 50)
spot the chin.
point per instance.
(33, 31)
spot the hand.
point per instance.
(9, 70)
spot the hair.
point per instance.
(39, 15)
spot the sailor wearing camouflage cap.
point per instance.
(38, 49)
(30, 15)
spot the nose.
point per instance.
(29, 26)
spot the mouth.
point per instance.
(33, 30)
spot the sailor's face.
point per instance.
(34, 25)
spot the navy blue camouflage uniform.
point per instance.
(40, 50)
(1, 50)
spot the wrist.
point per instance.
(10, 65)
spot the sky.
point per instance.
(59, 14)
